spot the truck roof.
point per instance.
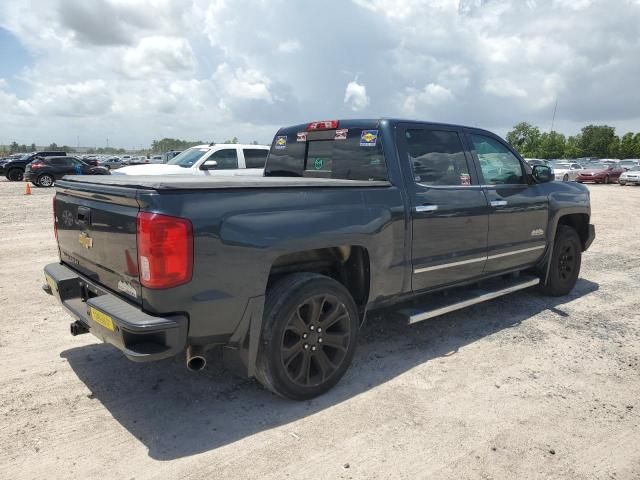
(373, 122)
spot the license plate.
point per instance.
(102, 318)
(51, 283)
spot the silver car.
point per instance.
(630, 177)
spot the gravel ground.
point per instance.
(522, 387)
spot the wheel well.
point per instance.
(579, 222)
(348, 264)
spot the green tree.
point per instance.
(166, 144)
(233, 140)
(572, 148)
(636, 145)
(596, 140)
(525, 138)
(627, 146)
(33, 147)
(13, 147)
(551, 145)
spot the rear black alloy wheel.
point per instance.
(15, 175)
(45, 180)
(565, 262)
(309, 333)
(315, 340)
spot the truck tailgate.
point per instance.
(97, 236)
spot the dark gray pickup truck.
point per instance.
(280, 271)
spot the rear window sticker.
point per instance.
(302, 137)
(341, 134)
(368, 138)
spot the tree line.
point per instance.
(598, 141)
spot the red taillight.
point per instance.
(36, 165)
(55, 218)
(165, 250)
(323, 125)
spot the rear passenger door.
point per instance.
(519, 211)
(449, 213)
(254, 157)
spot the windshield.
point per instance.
(562, 165)
(25, 156)
(635, 169)
(189, 157)
(598, 166)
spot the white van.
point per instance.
(225, 159)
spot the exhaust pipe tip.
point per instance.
(195, 359)
(196, 363)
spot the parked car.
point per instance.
(156, 159)
(45, 171)
(112, 163)
(14, 169)
(223, 159)
(126, 159)
(169, 155)
(565, 171)
(630, 177)
(629, 163)
(351, 217)
(600, 173)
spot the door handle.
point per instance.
(499, 203)
(426, 208)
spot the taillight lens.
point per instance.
(165, 250)
(323, 125)
(55, 218)
(36, 165)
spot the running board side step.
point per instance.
(440, 304)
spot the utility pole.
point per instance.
(107, 142)
(553, 119)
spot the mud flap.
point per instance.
(241, 353)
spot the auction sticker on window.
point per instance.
(281, 142)
(341, 134)
(301, 137)
(369, 138)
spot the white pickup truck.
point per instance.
(219, 160)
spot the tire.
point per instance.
(15, 175)
(45, 180)
(565, 178)
(309, 334)
(565, 262)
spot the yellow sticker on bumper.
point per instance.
(102, 318)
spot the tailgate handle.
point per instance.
(84, 215)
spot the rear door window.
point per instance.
(349, 154)
(254, 157)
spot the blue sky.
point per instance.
(138, 70)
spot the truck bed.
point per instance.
(188, 182)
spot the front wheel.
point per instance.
(566, 259)
(308, 337)
(565, 178)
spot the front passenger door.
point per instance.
(519, 211)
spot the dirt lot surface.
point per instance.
(522, 387)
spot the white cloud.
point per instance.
(355, 95)
(289, 46)
(243, 83)
(431, 95)
(159, 56)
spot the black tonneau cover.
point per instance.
(188, 182)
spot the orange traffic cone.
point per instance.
(27, 190)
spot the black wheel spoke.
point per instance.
(303, 375)
(290, 353)
(330, 318)
(297, 324)
(325, 365)
(336, 340)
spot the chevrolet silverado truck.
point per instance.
(280, 271)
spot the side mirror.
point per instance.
(209, 165)
(542, 173)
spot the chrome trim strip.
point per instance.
(467, 303)
(515, 252)
(449, 265)
(477, 259)
(426, 208)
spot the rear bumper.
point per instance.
(141, 337)
(29, 177)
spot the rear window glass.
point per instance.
(349, 154)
